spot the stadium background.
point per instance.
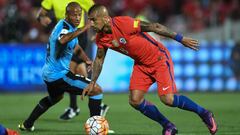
(214, 23)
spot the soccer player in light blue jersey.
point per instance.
(62, 44)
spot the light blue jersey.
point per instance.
(58, 55)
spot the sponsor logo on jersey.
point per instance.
(165, 88)
(135, 24)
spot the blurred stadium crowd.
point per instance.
(18, 17)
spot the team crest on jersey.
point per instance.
(122, 41)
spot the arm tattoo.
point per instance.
(157, 28)
(98, 63)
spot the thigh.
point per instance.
(81, 69)
(73, 66)
(56, 88)
(164, 76)
(140, 80)
(75, 83)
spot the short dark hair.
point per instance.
(94, 8)
(72, 4)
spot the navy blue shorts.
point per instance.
(71, 83)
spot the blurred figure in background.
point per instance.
(196, 14)
(13, 23)
(235, 57)
(77, 65)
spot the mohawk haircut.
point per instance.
(95, 7)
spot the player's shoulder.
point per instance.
(61, 27)
(66, 25)
(62, 24)
(122, 18)
(122, 22)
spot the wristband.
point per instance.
(178, 37)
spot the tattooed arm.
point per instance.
(164, 31)
(157, 28)
(97, 68)
(64, 38)
(98, 63)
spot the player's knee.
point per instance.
(134, 102)
(167, 99)
(96, 91)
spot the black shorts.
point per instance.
(71, 83)
(83, 41)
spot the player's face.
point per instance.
(74, 16)
(97, 23)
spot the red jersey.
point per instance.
(128, 39)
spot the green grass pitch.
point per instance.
(14, 108)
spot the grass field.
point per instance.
(122, 118)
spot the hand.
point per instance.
(45, 20)
(190, 43)
(87, 90)
(89, 64)
(86, 27)
(82, 30)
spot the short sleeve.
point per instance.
(64, 31)
(127, 24)
(47, 4)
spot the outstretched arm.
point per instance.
(97, 68)
(64, 38)
(164, 31)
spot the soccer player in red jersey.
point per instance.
(152, 63)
